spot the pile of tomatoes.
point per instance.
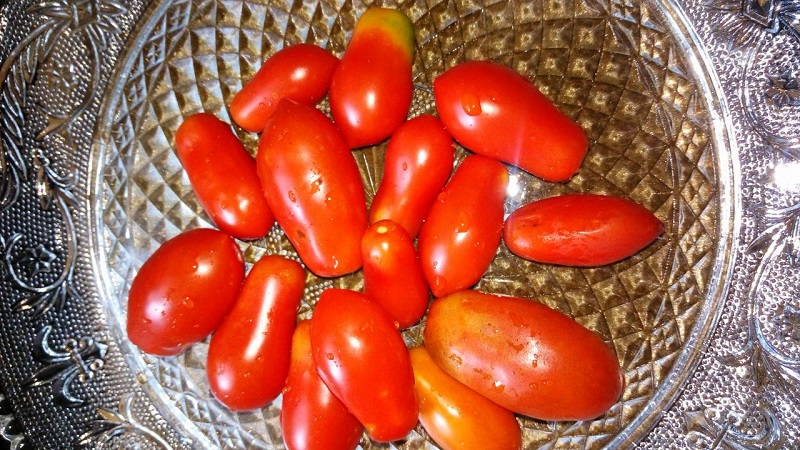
(429, 231)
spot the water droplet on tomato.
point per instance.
(329, 356)
(405, 166)
(292, 196)
(441, 197)
(463, 222)
(471, 104)
(188, 303)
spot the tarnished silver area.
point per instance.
(692, 109)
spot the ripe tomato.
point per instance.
(183, 291)
(313, 186)
(496, 112)
(301, 72)
(371, 88)
(580, 230)
(312, 418)
(462, 230)
(362, 358)
(455, 416)
(392, 274)
(223, 176)
(523, 356)
(417, 164)
(248, 357)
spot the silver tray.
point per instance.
(693, 109)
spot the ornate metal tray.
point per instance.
(692, 108)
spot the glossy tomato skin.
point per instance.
(301, 72)
(418, 161)
(580, 230)
(314, 187)
(183, 291)
(463, 227)
(496, 112)
(371, 88)
(362, 358)
(523, 356)
(223, 176)
(248, 358)
(393, 276)
(312, 418)
(455, 416)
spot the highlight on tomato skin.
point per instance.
(312, 418)
(183, 291)
(372, 87)
(300, 72)
(248, 357)
(581, 230)
(418, 162)
(362, 358)
(496, 112)
(455, 416)
(223, 176)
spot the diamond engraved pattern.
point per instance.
(610, 65)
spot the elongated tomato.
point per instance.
(418, 162)
(455, 416)
(496, 112)
(301, 72)
(248, 358)
(371, 88)
(523, 356)
(183, 291)
(313, 185)
(312, 418)
(363, 360)
(223, 176)
(580, 230)
(392, 273)
(463, 227)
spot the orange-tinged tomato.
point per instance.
(580, 230)
(248, 357)
(455, 416)
(523, 356)
(312, 418)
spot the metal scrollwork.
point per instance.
(115, 424)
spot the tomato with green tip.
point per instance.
(372, 88)
(312, 418)
(523, 355)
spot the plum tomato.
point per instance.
(462, 229)
(418, 161)
(523, 355)
(455, 416)
(248, 357)
(371, 87)
(312, 418)
(362, 358)
(581, 230)
(301, 72)
(313, 185)
(496, 112)
(223, 176)
(392, 273)
(184, 291)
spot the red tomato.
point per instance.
(523, 356)
(248, 357)
(418, 162)
(301, 73)
(363, 360)
(392, 274)
(580, 230)
(314, 187)
(183, 291)
(312, 418)
(462, 230)
(371, 88)
(496, 112)
(455, 416)
(223, 176)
